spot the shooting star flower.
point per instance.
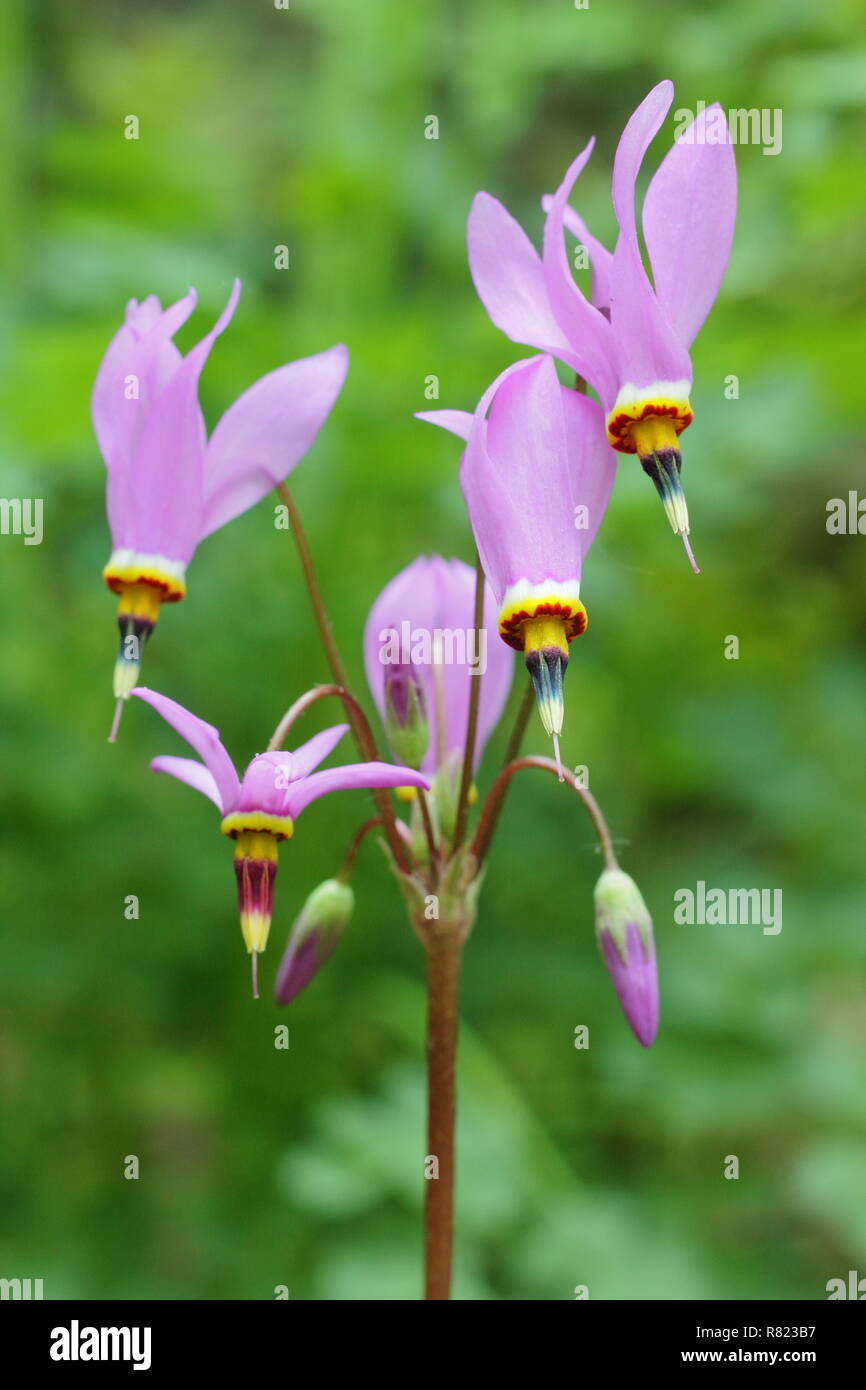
(631, 342)
(536, 477)
(169, 486)
(259, 811)
(421, 653)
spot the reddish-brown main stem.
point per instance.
(443, 983)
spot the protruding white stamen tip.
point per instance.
(684, 535)
(115, 723)
(559, 771)
(255, 958)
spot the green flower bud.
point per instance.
(624, 930)
(314, 936)
(618, 902)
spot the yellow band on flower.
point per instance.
(261, 828)
(525, 612)
(128, 570)
(629, 419)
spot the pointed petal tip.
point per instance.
(190, 298)
(481, 198)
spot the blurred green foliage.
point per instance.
(259, 1167)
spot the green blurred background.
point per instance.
(259, 1167)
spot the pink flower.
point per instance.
(631, 343)
(536, 476)
(169, 486)
(260, 810)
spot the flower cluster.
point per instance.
(537, 470)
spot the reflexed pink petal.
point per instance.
(136, 369)
(640, 130)
(203, 737)
(458, 422)
(484, 496)
(688, 221)
(646, 347)
(165, 486)
(593, 462)
(489, 512)
(509, 279)
(352, 776)
(317, 748)
(267, 432)
(487, 500)
(137, 364)
(600, 259)
(587, 329)
(194, 774)
(528, 457)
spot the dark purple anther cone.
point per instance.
(636, 983)
(401, 683)
(406, 713)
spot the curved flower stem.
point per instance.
(366, 743)
(352, 851)
(481, 843)
(472, 721)
(443, 949)
(309, 697)
(323, 622)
